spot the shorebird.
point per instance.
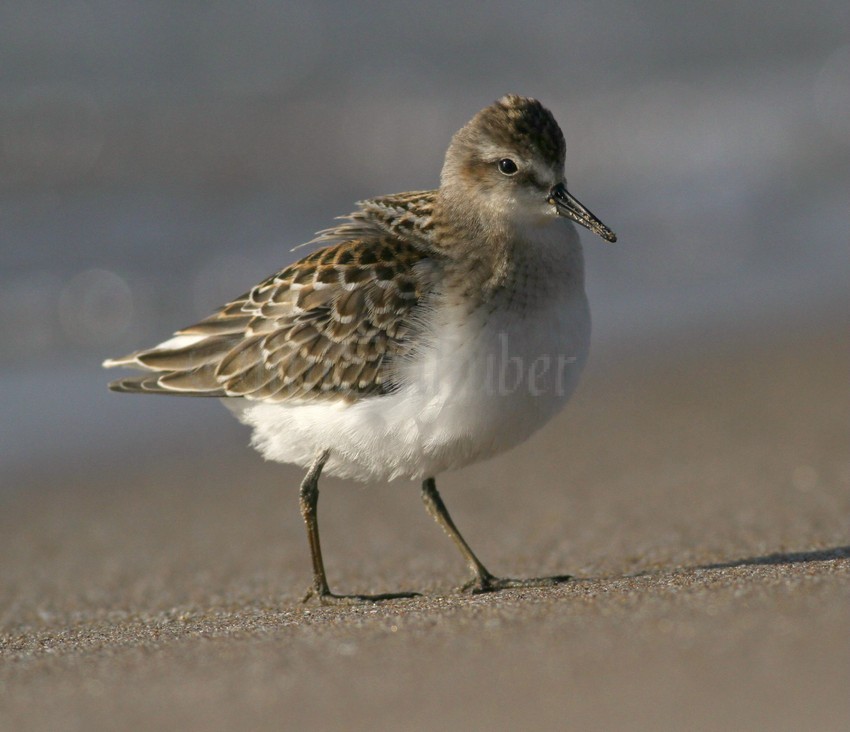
(430, 330)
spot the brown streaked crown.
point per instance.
(522, 124)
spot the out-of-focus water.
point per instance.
(158, 159)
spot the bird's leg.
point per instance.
(482, 580)
(309, 511)
(439, 512)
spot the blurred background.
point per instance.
(157, 159)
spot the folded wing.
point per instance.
(330, 326)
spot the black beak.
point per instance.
(568, 206)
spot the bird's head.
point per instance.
(509, 159)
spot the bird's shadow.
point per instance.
(767, 560)
(817, 555)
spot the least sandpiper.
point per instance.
(431, 330)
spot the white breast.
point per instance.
(481, 382)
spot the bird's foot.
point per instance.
(326, 597)
(489, 583)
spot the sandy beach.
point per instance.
(699, 493)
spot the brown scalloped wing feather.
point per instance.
(329, 326)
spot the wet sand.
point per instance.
(698, 490)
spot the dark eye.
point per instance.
(507, 166)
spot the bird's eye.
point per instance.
(507, 166)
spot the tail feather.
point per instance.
(199, 354)
(150, 384)
(128, 361)
(184, 365)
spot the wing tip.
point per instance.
(151, 384)
(111, 363)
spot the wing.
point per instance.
(408, 216)
(329, 326)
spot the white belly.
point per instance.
(483, 386)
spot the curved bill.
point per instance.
(569, 206)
